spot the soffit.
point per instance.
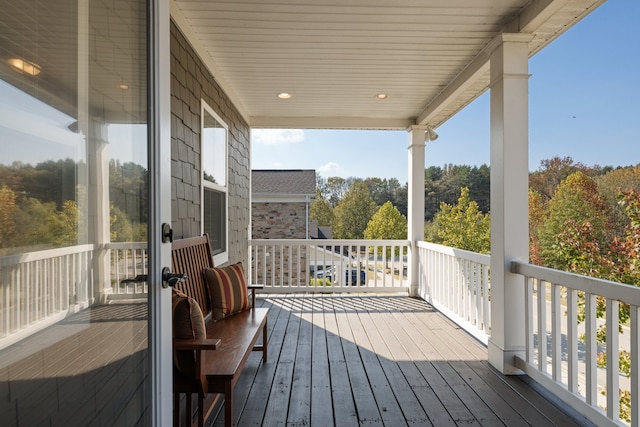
(334, 56)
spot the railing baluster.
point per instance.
(556, 333)
(591, 349)
(529, 325)
(542, 326)
(635, 365)
(572, 339)
(613, 361)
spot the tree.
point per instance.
(551, 173)
(577, 219)
(382, 190)
(387, 223)
(537, 212)
(321, 211)
(610, 185)
(463, 225)
(7, 211)
(624, 252)
(334, 189)
(353, 213)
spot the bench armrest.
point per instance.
(198, 346)
(204, 344)
(253, 288)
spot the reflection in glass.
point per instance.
(214, 182)
(73, 213)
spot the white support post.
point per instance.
(415, 205)
(509, 196)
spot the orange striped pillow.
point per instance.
(228, 290)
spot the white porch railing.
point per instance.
(300, 265)
(456, 282)
(38, 289)
(128, 260)
(562, 352)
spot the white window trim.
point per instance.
(222, 257)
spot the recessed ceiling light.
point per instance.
(382, 96)
(123, 86)
(25, 67)
(284, 95)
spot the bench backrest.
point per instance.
(191, 256)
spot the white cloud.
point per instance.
(277, 136)
(329, 169)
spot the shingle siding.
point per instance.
(191, 82)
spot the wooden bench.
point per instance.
(221, 357)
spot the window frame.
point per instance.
(205, 185)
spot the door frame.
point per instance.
(159, 146)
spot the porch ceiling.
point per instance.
(334, 56)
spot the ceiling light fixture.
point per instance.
(382, 96)
(284, 95)
(430, 134)
(25, 67)
(123, 86)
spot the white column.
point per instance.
(415, 203)
(509, 196)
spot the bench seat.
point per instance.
(221, 356)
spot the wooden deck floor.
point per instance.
(378, 360)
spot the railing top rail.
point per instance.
(45, 254)
(458, 253)
(613, 290)
(126, 245)
(331, 242)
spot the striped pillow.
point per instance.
(188, 323)
(228, 290)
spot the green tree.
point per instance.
(537, 213)
(333, 189)
(353, 213)
(610, 185)
(387, 223)
(7, 211)
(321, 211)
(121, 229)
(577, 218)
(463, 225)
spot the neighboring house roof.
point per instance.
(282, 183)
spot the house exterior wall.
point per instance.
(192, 82)
(279, 220)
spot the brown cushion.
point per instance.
(188, 323)
(228, 290)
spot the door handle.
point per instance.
(140, 278)
(171, 279)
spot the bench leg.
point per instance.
(201, 410)
(176, 409)
(264, 341)
(228, 404)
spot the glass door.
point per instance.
(74, 213)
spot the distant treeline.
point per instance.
(443, 184)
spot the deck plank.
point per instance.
(321, 401)
(344, 406)
(350, 360)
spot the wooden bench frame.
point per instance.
(221, 357)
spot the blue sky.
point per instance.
(584, 102)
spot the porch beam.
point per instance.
(509, 196)
(415, 205)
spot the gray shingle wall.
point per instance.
(191, 82)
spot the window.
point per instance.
(214, 182)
